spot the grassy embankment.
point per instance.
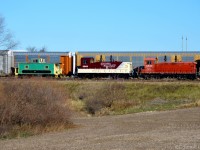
(104, 98)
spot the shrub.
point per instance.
(105, 96)
(32, 103)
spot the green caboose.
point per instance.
(38, 67)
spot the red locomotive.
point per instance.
(154, 69)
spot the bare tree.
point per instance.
(6, 38)
(34, 49)
(31, 49)
(43, 49)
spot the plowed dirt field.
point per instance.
(177, 129)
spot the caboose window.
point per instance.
(35, 60)
(46, 67)
(26, 67)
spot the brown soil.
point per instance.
(177, 129)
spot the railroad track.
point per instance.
(36, 78)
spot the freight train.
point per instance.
(89, 68)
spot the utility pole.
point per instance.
(186, 43)
(182, 43)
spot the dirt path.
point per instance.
(178, 129)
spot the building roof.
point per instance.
(4, 52)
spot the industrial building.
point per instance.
(6, 61)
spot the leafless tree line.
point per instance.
(6, 37)
(34, 49)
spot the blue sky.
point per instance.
(104, 25)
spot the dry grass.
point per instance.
(39, 106)
(198, 103)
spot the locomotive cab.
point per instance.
(148, 68)
(149, 64)
(149, 61)
(86, 61)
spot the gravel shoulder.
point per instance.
(177, 129)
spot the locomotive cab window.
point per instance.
(148, 62)
(84, 62)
